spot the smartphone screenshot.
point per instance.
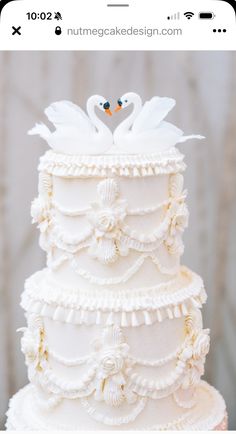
(117, 215)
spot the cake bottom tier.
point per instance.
(209, 413)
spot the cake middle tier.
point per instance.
(119, 227)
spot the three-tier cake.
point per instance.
(114, 336)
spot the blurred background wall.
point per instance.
(204, 85)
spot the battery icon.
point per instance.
(206, 15)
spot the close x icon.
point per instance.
(16, 30)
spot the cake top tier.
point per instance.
(144, 131)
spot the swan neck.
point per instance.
(100, 126)
(128, 122)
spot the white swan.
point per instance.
(76, 133)
(144, 130)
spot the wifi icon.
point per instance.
(189, 15)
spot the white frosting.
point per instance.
(84, 166)
(114, 324)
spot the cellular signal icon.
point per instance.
(58, 16)
(174, 17)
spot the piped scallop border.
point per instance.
(104, 308)
(85, 166)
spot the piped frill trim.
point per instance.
(127, 237)
(132, 359)
(45, 297)
(107, 235)
(136, 384)
(82, 166)
(194, 419)
(110, 370)
(73, 263)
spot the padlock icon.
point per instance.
(58, 30)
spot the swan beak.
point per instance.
(118, 108)
(108, 112)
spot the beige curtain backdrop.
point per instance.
(204, 85)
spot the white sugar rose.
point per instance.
(37, 210)
(30, 347)
(106, 220)
(179, 220)
(111, 363)
(40, 213)
(201, 344)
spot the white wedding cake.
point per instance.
(114, 337)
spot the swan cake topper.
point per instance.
(143, 131)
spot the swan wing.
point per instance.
(176, 132)
(193, 136)
(170, 128)
(152, 113)
(41, 130)
(66, 114)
